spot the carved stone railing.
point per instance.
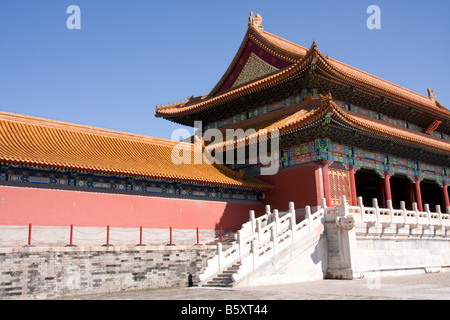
(345, 224)
(393, 217)
(260, 239)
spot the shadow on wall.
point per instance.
(235, 215)
(297, 184)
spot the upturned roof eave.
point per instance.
(349, 120)
(331, 67)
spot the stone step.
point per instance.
(223, 279)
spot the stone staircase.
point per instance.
(224, 278)
(274, 248)
(257, 242)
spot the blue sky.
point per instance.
(130, 56)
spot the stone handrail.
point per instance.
(260, 239)
(390, 216)
(224, 259)
(279, 240)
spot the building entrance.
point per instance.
(431, 194)
(402, 189)
(368, 186)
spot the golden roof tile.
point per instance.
(35, 141)
(301, 59)
(312, 112)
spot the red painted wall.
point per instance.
(302, 185)
(49, 207)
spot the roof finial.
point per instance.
(431, 95)
(255, 21)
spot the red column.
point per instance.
(445, 197)
(326, 182)
(387, 186)
(351, 174)
(418, 195)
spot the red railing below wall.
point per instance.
(72, 236)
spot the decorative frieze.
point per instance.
(262, 110)
(360, 158)
(47, 177)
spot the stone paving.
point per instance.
(433, 286)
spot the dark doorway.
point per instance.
(368, 184)
(400, 191)
(431, 194)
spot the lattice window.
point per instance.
(339, 186)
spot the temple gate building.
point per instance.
(341, 131)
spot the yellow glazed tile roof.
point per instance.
(303, 60)
(314, 112)
(40, 142)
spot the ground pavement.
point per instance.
(433, 286)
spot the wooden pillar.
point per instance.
(445, 196)
(418, 195)
(326, 181)
(387, 186)
(351, 174)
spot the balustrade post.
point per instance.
(292, 211)
(219, 255)
(377, 209)
(391, 209)
(292, 227)
(344, 207)
(268, 214)
(241, 243)
(403, 207)
(416, 210)
(439, 213)
(308, 216)
(426, 206)
(259, 230)
(293, 220)
(274, 240)
(276, 220)
(324, 203)
(252, 220)
(360, 204)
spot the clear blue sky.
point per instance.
(130, 56)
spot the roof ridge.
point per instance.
(349, 73)
(265, 34)
(383, 80)
(63, 125)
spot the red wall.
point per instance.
(49, 207)
(302, 185)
